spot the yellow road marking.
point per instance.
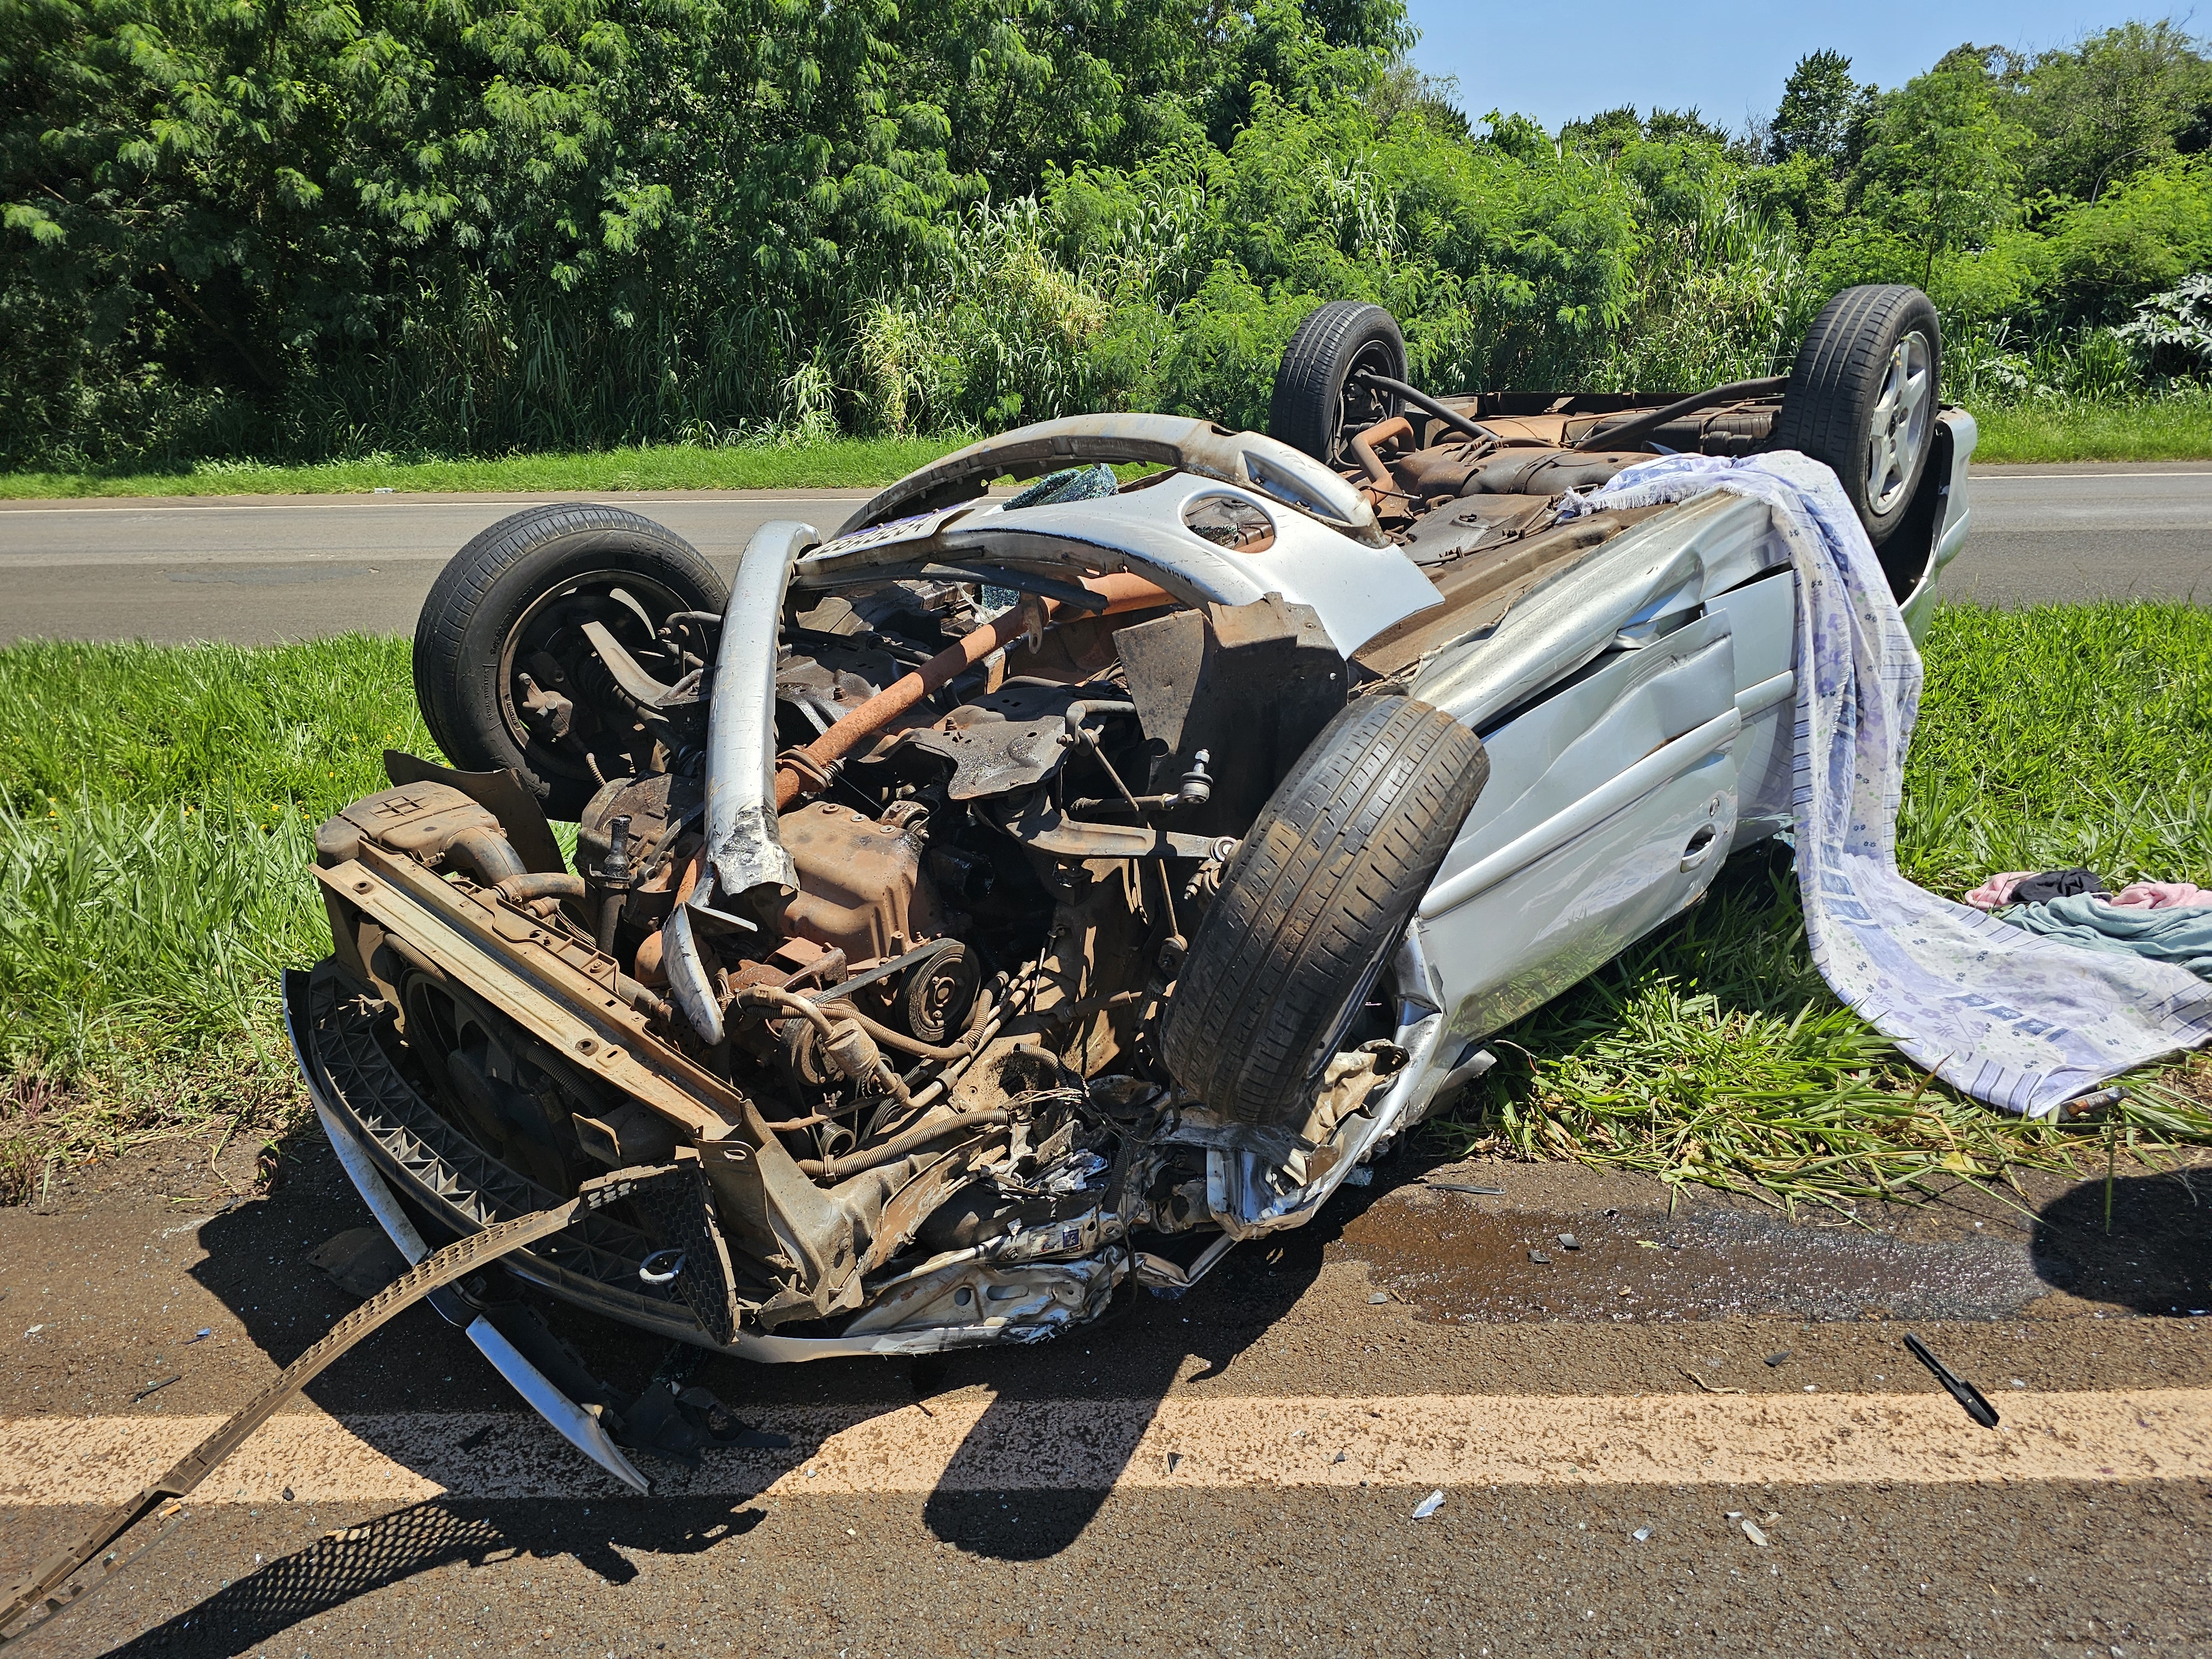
(970, 1443)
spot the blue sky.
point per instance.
(1726, 57)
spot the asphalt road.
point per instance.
(258, 569)
(1235, 1472)
(2059, 534)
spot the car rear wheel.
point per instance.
(1318, 402)
(501, 630)
(1863, 398)
(1313, 902)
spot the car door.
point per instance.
(1615, 723)
(1610, 806)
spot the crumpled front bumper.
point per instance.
(390, 1140)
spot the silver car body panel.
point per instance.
(1357, 591)
(1289, 476)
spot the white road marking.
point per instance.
(641, 498)
(1978, 479)
(966, 1443)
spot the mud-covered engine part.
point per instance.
(434, 824)
(862, 887)
(1249, 684)
(655, 811)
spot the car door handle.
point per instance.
(1701, 846)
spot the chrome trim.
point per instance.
(742, 842)
(570, 1420)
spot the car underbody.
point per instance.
(876, 964)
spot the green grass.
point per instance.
(157, 808)
(837, 464)
(1712, 1052)
(2176, 429)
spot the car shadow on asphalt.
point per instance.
(255, 1263)
(1110, 1379)
(373, 1555)
(2141, 1242)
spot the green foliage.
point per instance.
(1941, 162)
(1823, 114)
(157, 814)
(2122, 99)
(426, 230)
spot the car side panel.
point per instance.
(1610, 806)
(1763, 619)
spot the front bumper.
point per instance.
(373, 1115)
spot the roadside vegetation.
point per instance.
(157, 809)
(2174, 428)
(822, 464)
(314, 235)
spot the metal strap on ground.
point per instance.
(455, 1261)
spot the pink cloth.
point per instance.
(1996, 892)
(2161, 895)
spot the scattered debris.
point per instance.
(1379, 1299)
(1464, 1186)
(1651, 1244)
(155, 1387)
(1428, 1505)
(1751, 1531)
(1641, 1533)
(1174, 1458)
(200, 1335)
(1540, 1258)
(2018, 1383)
(1569, 1241)
(474, 1440)
(1706, 1386)
(1958, 1388)
(1341, 1457)
(288, 1495)
(1777, 1357)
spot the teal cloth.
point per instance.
(2181, 935)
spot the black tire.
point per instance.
(480, 610)
(1312, 903)
(1836, 398)
(1312, 409)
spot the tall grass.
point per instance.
(157, 809)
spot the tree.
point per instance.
(1823, 112)
(2119, 102)
(1941, 166)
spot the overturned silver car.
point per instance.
(1007, 902)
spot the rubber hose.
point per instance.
(899, 1145)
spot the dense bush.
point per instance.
(318, 229)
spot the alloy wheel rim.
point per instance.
(1904, 415)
